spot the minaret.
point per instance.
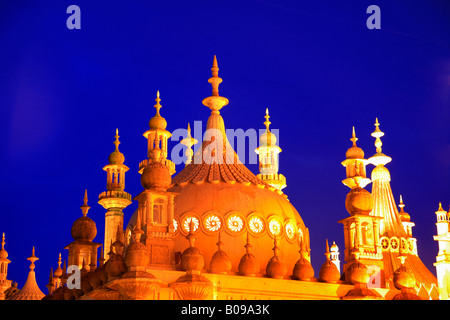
(334, 256)
(4, 283)
(442, 263)
(361, 230)
(115, 199)
(268, 153)
(189, 141)
(155, 203)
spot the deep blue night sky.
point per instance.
(313, 63)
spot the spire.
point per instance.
(30, 290)
(379, 158)
(327, 252)
(157, 105)
(85, 208)
(248, 246)
(219, 242)
(117, 142)
(3, 242)
(267, 122)
(354, 138)
(215, 102)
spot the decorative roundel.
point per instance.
(394, 243)
(256, 225)
(175, 225)
(275, 226)
(289, 230)
(384, 241)
(186, 223)
(234, 223)
(212, 223)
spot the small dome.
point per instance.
(354, 153)
(156, 176)
(192, 260)
(276, 268)
(248, 265)
(157, 123)
(58, 272)
(267, 139)
(359, 201)
(116, 157)
(357, 273)
(3, 254)
(84, 229)
(329, 272)
(137, 255)
(404, 278)
(220, 262)
(303, 270)
(334, 247)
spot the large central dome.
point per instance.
(216, 193)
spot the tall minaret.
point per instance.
(361, 230)
(268, 153)
(115, 199)
(155, 203)
(4, 283)
(442, 263)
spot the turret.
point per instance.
(115, 199)
(268, 153)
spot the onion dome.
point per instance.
(334, 247)
(329, 272)
(405, 217)
(276, 268)
(220, 262)
(156, 176)
(157, 122)
(403, 277)
(191, 258)
(248, 265)
(137, 253)
(3, 252)
(116, 157)
(303, 269)
(357, 273)
(84, 228)
(359, 201)
(354, 152)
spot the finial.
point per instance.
(267, 122)
(327, 252)
(275, 248)
(215, 102)
(191, 237)
(440, 207)
(354, 138)
(3, 241)
(402, 259)
(85, 208)
(401, 205)
(32, 259)
(157, 105)
(248, 245)
(219, 242)
(117, 142)
(377, 134)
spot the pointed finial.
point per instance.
(248, 245)
(219, 242)
(401, 204)
(327, 252)
(157, 105)
(354, 138)
(377, 134)
(215, 102)
(32, 259)
(85, 208)
(117, 142)
(267, 122)
(275, 248)
(3, 241)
